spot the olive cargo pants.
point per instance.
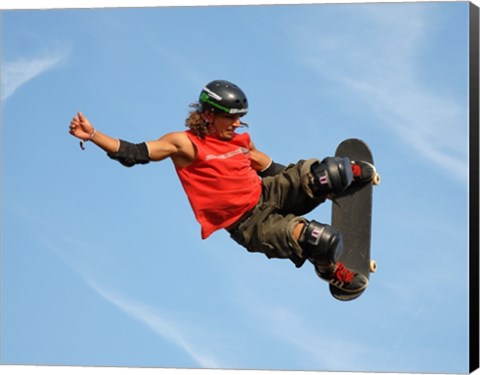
(268, 227)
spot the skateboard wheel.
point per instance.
(376, 179)
(373, 266)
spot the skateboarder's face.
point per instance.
(224, 125)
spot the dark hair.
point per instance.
(196, 123)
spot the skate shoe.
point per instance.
(363, 171)
(342, 278)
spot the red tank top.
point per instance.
(220, 183)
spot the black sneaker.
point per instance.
(363, 171)
(342, 278)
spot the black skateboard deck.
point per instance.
(352, 216)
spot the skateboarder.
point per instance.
(232, 185)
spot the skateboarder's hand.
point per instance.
(81, 128)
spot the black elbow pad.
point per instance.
(130, 154)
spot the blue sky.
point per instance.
(104, 266)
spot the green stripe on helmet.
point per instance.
(206, 99)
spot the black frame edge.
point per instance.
(474, 188)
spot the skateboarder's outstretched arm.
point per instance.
(174, 145)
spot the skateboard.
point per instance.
(352, 216)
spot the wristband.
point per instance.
(271, 170)
(92, 135)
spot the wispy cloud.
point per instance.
(381, 64)
(164, 326)
(20, 71)
(190, 338)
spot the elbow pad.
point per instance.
(129, 154)
(272, 170)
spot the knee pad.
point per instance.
(321, 242)
(331, 175)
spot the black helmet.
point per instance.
(223, 97)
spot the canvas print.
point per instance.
(268, 187)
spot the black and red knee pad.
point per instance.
(321, 243)
(331, 176)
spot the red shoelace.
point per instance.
(343, 274)
(356, 170)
